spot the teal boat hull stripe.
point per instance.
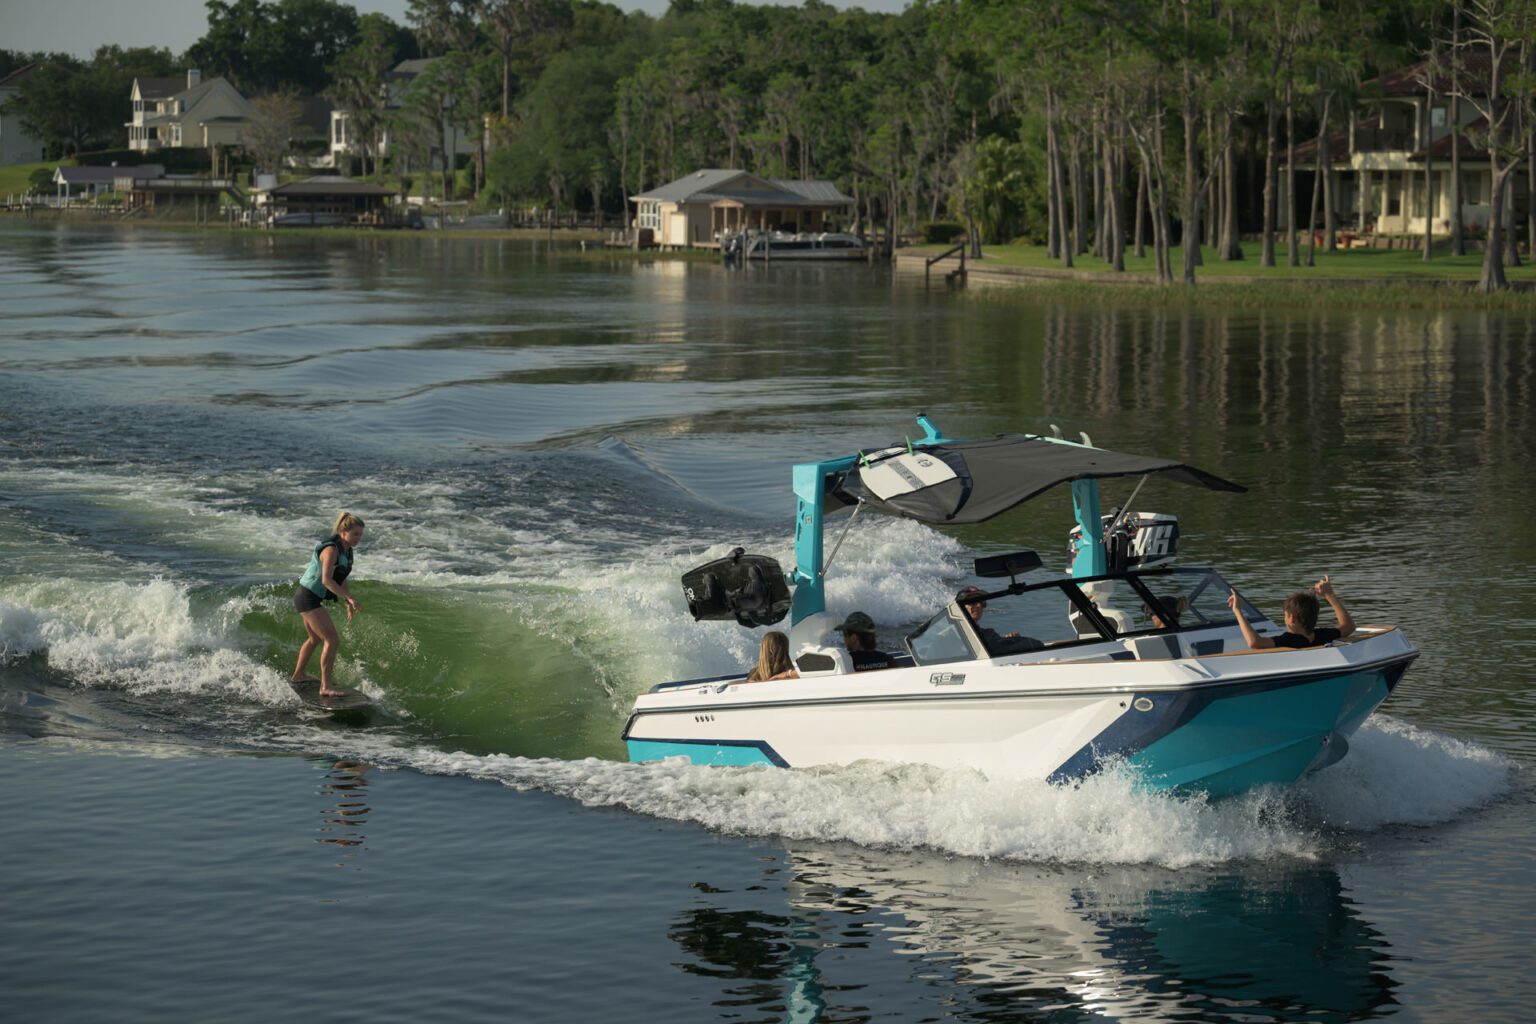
(1225, 740)
(707, 752)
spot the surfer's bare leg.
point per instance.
(312, 639)
(319, 622)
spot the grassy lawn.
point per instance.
(17, 178)
(1346, 264)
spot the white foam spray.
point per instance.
(1407, 775)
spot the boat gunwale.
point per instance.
(1247, 681)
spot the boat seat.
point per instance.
(1118, 620)
(815, 660)
(1156, 648)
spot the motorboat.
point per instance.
(1126, 659)
(804, 245)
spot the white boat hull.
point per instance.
(1220, 723)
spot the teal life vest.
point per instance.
(310, 581)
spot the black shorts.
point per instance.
(305, 600)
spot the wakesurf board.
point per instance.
(347, 700)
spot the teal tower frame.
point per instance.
(811, 482)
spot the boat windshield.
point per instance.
(940, 641)
(1043, 616)
(1073, 611)
(1195, 598)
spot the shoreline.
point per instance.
(1220, 286)
(1008, 271)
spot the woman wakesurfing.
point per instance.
(325, 580)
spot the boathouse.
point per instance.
(326, 199)
(699, 210)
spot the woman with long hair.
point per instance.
(326, 580)
(773, 660)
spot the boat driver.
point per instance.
(858, 632)
(996, 643)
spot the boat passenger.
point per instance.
(773, 660)
(325, 580)
(1301, 628)
(996, 643)
(858, 632)
(1175, 605)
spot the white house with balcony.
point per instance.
(1402, 126)
(186, 112)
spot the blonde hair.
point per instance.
(772, 658)
(347, 521)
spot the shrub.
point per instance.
(942, 232)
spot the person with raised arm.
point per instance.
(1301, 628)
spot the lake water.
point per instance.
(541, 441)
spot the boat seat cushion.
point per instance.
(1154, 648)
(815, 660)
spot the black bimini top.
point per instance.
(971, 481)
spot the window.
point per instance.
(938, 641)
(1031, 621)
(1120, 604)
(650, 215)
(1437, 117)
(1197, 596)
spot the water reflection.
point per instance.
(344, 788)
(868, 931)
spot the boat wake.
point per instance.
(1396, 775)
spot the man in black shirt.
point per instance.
(1301, 629)
(858, 632)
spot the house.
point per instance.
(346, 145)
(17, 145)
(186, 112)
(1376, 165)
(699, 210)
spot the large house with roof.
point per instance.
(186, 112)
(699, 210)
(17, 145)
(1376, 164)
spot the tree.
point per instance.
(74, 106)
(359, 87)
(509, 24)
(263, 47)
(15, 60)
(560, 134)
(452, 28)
(1498, 36)
(269, 130)
(430, 100)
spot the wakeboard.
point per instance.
(347, 700)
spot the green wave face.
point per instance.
(462, 668)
